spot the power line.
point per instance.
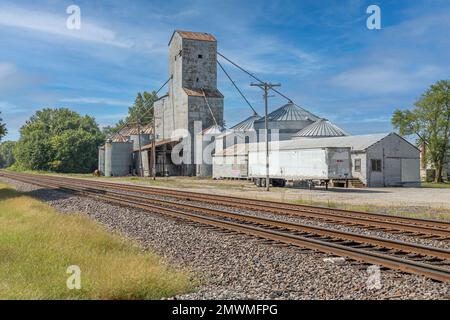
(253, 76)
(138, 123)
(145, 113)
(237, 88)
(209, 107)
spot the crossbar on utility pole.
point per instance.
(266, 87)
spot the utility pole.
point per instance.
(154, 147)
(163, 138)
(141, 169)
(266, 87)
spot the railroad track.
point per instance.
(407, 257)
(422, 228)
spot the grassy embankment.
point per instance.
(436, 185)
(37, 244)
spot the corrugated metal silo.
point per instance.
(320, 129)
(101, 159)
(287, 119)
(118, 158)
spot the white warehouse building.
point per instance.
(378, 160)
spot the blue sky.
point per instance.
(320, 51)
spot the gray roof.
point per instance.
(290, 112)
(354, 142)
(321, 128)
(213, 130)
(247, 124)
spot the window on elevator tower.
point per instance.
(200, 56)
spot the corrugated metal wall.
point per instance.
(118, 158)
(230, 167)
(101, 159)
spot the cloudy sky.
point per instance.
(320, 51)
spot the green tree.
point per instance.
(59, 140)
(429, 120)
(74, 151)
(111, 130)
(3, 130)
(142, 110)
(6, 154)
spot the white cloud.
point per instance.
(39, 21)
(385, 118)
(113, 117)
(11, 78)
(9, 108)
(383, 79)
(268, 55)
(7, 70)
(105, 101)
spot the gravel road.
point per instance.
(231, 266)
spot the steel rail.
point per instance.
(254, 205)
(389, 261)
(279, 205)
(298, 227)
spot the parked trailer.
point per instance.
(315, 165)
(234, 167)
(232, 162)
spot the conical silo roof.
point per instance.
(321, 128)
(214, 129)
(247, 124)
(290, 112)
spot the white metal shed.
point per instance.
(378, 160)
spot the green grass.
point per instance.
(435, 185)
(37, 244)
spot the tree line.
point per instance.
(61, 140)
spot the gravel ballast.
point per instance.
(232, 266)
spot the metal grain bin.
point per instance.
(288, 120)
(118, 158)
(101, 159)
